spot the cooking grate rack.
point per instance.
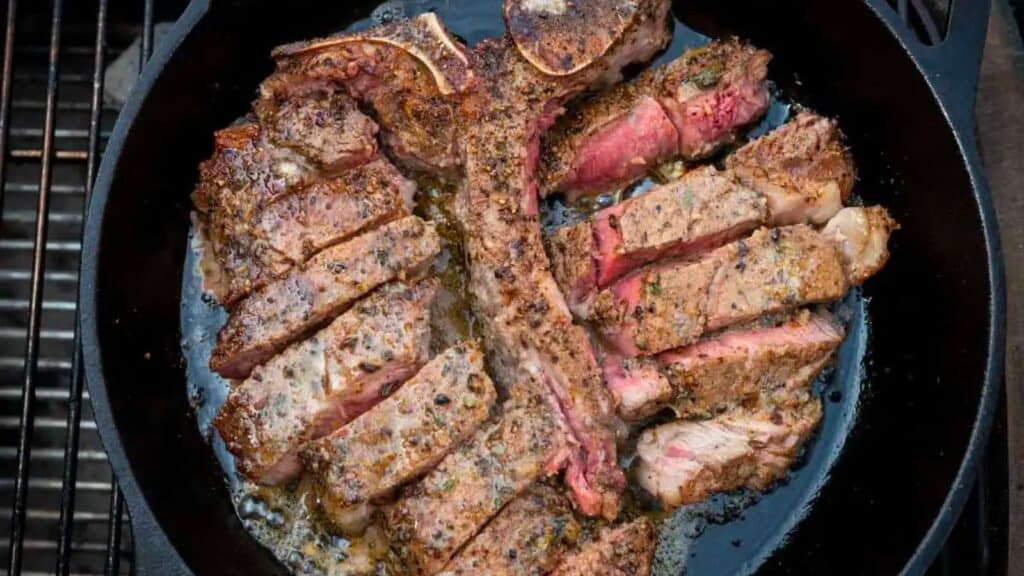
(65, 512)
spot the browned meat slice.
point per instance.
(400, 438)
(802, 168)
(704, 209)
(314, 387)
(411, 73)
(720, 372)
(265, 208)
(690, 107)
(528, 538)
(311, 294)
(672, 305)
(624, 550)
(686, 461)
(526, 324)
(327, 129)
(436, 516)
(863, 234)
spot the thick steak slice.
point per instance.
(721, 372)
(528, 538)
(672, 305)
(314, 387)
(691, 107)
(411, 73)
(624, 550)
(702, 210)
(802, 168)
(436, 516)
(526, 323)
(686, 461)
(400, 438)
(311, 294)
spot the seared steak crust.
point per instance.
(315, 292)
(318, 385)
(624, 550)
(402, 437)
(527, 538)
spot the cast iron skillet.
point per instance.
(934, 359)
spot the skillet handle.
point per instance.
(953, 65)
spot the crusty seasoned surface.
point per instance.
(672, 305)
(705, 95)
(436, 516)
(312, 294)
(688, 460)
(317, 385)
(412, 73)
(527, 538)
(802, 168)
(402, 437)
(624, 550)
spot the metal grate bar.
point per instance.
(71, 453)
(35, 310)
(113, 566)
(6, 89)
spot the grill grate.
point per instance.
(66, 511)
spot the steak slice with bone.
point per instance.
(400, 438)
(686, 461)
(689, 107)
(672, 305)
(800, 173)
(318, 385)
(526, 323)
(528, 537)
(435, 517)
(724, 371)
(313, 293)
(411, 73)
(623, 550)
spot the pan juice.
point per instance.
(728, 534)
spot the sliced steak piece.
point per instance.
(526, 323)
(624, 550)
(702, 210)
(437, 516)
(326, 128)
(802, 168)
(311, 294)
(399, 439)
(686, 461)
(316, 386)
(691, 107)
(726, 370)
(672, 305)
(863, 234)
(411, 73)
(527, 538)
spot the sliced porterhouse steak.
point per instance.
(702, 210)
(316, 386)
(802, 168)
(438, 515)
(689, 107)
(530, 536)
(686, 461)
(672, 305)
(526, 322)
(265, 207)
(312, 294)
(402, 437)
(624, 550)
(727, 370)
(797, 174)
(411, 73)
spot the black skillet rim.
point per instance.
(162, 557)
